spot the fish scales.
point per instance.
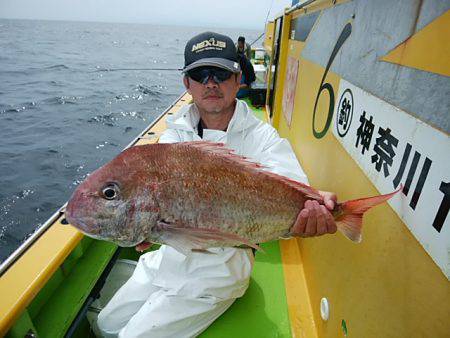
(227, 193)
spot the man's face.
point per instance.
(241, 44)
(213, 97)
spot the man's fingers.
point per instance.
(321, 212)
(331, 224)
(329, 199)
(308, 204)
(299, 226)
(329, 203)
(315, 219)
(311, 224)
(143, 246)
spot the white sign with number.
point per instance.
(393, 148)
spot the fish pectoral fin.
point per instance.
(174, 237)
(185, 239)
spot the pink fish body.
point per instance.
(196, 195)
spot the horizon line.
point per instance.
(129, 22)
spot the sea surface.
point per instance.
(69, 103)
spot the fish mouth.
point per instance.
(74, 221)
(108, 238)
(82, 225)
(96, 232)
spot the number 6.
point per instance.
(326, 86)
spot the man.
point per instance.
(247, 76)
(244, 48)
(173, 295)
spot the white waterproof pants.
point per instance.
(172, 295)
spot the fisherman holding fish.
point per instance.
(173, 295)
(201, 200)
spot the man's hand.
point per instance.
(316, 219)
(141, 247)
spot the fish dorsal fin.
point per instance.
(303, 188)
(221, 149)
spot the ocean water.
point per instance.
(67, 106)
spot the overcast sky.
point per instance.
(210, 13)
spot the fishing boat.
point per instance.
(361, 90)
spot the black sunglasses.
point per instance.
(203, 74)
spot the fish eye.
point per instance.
(110, 191)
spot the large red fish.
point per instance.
(196, 195)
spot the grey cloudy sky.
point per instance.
(222, 13)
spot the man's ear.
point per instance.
(186, 83)
(238, 78)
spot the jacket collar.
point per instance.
(187, 118)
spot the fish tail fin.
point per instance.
(350, 214)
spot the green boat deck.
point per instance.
(263, 309)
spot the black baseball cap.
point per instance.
(211, 49)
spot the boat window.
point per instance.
(274, 63)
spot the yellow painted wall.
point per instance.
(387, 286)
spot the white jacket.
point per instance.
(246, 134)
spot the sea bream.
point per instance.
(196, 195)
